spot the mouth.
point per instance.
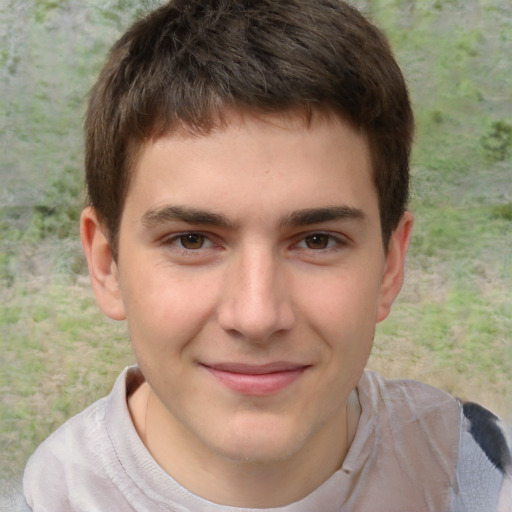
(256, 380)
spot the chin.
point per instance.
(260, 444)
(258, 453)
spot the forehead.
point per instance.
(300, 119)
(252, 161)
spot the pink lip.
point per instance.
(256, 380)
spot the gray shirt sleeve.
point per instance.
(479, 481)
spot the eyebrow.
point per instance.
(160, 215)
(163, 214)
(310, 216)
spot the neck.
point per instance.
(241, 483)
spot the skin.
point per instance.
(256, 249)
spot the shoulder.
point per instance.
(468, 437)
(413, 411)
(419, 422)
(64, 453)
(70, 437)
(74, 456)
(410, 396)
(483, 429)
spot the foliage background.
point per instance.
(452, 325)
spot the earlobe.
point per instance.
(102, 267)
(393, 276)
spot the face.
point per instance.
(252, 273)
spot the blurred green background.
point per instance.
(452, 326)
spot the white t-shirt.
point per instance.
(412, 451)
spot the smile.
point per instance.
(256, 380)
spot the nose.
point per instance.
(256, 302)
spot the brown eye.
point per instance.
(192, 241)
(317, 241)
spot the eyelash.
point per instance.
(176, 241)
(333, 241)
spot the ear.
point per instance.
(393, 276)
(102, 267)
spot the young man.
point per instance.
(247, 172)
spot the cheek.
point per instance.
(342, 313)
(164, 310)
(344, 307)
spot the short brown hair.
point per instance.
(189, 60)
